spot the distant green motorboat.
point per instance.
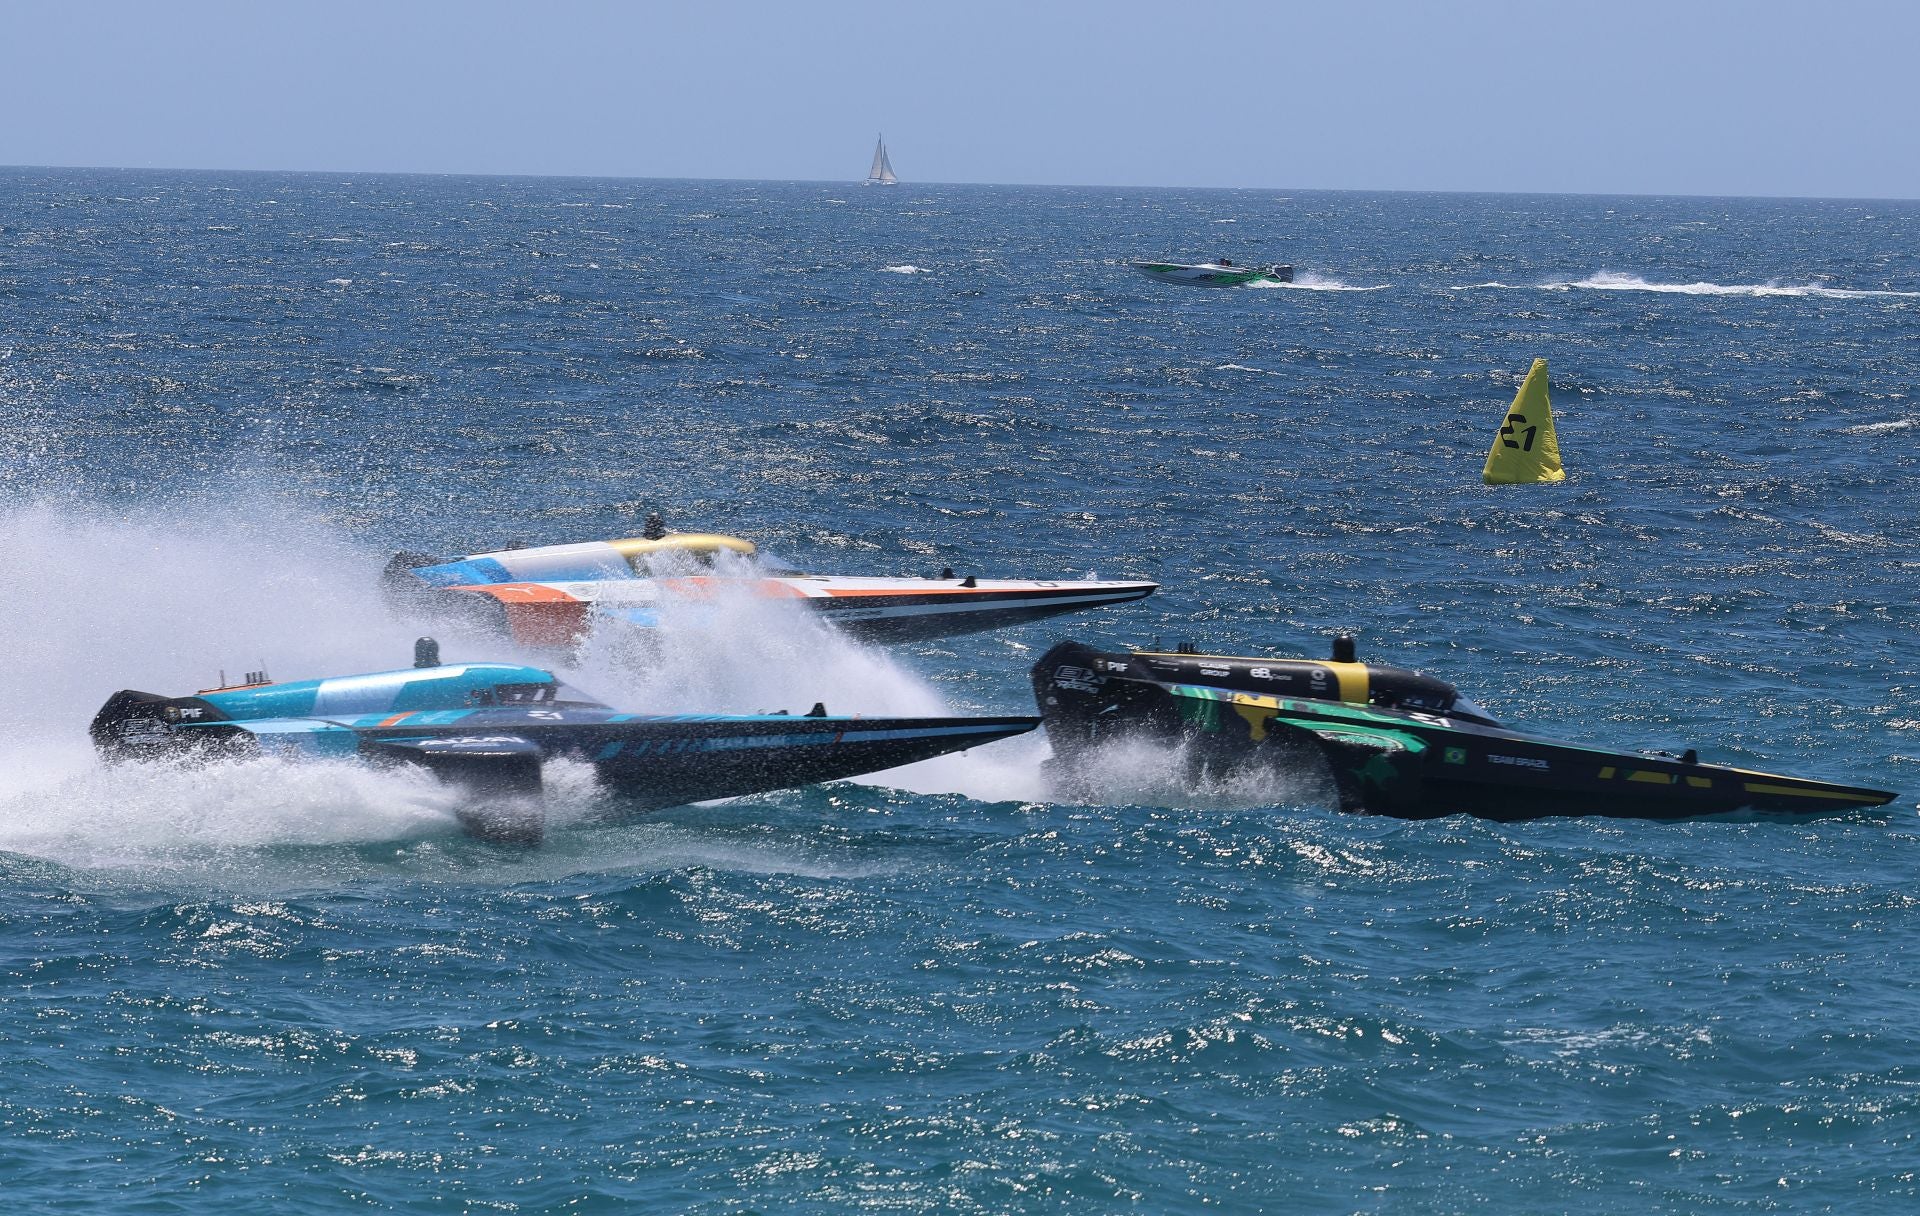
(1214, 274)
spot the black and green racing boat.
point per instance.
(1395, 742)
(1222, 273)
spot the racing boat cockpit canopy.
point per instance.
(697, 548)
(528, 695)
(1396, 688)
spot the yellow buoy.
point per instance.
(1526, 448)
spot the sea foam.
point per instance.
(1314, 282)
(1611, 281)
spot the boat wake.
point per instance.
(1137, 771)
(1313, 282)
(1881, 428)
(1610, 281)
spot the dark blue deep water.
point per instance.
(225, 398)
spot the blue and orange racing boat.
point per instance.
(490, 727)
(555, 595)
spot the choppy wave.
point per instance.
(1610, 281)
(892, 997)
(1881, 428)
(905, 268)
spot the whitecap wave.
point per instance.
(1881, 428)
(1610, 281)
(905, 268)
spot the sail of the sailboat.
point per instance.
(882, 172)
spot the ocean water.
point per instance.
(226, 398)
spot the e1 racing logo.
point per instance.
(1079, 679)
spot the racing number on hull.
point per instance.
(1516, 420)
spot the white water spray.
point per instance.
(165, 599)
(1309, 281)
(1144, 772)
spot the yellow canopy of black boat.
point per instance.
(1526, 449)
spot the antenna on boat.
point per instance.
(426, 653)
(1344, 650)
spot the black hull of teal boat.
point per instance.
(662, 761)
(1422, 754)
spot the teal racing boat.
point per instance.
(489, 728)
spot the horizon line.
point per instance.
(906, 184)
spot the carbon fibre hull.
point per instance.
(1399, 762)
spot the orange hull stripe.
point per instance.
(522, 593)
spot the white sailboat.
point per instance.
(882, 172)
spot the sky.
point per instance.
(1721, 97)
